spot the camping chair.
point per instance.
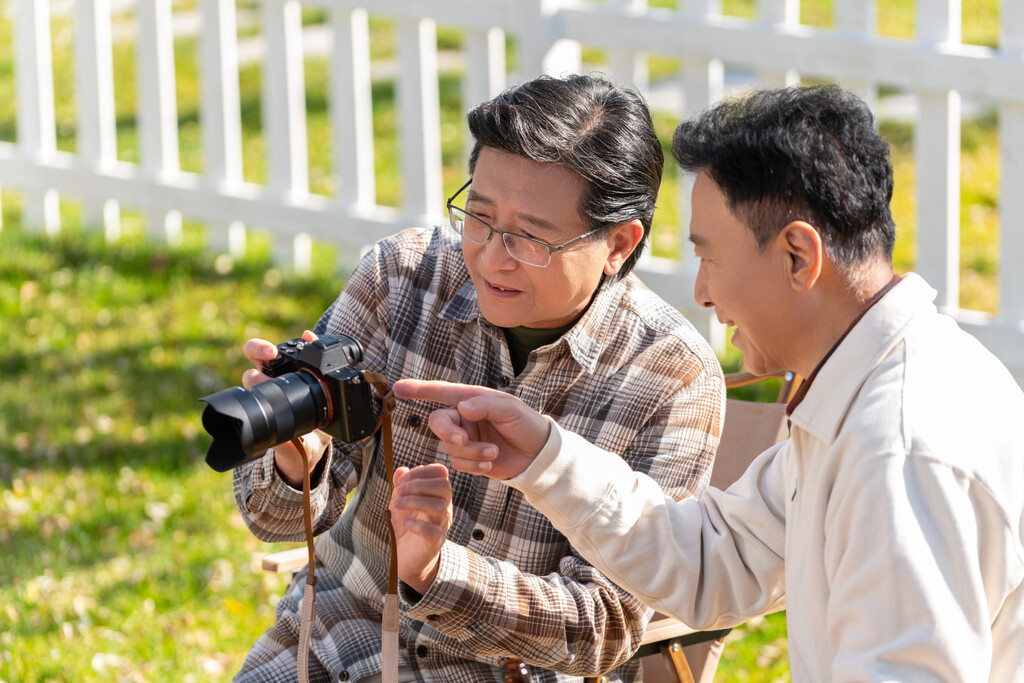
(671, 652)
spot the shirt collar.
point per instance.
(839, 376)
(801, 391)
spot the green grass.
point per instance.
(124, 556)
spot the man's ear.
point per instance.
(806, 254)
(622, 239)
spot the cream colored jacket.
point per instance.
(889, 526)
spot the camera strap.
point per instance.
(309, 592)
(389, 623)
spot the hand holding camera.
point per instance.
(287, 459)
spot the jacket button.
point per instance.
(504, 381)
(478, 534)
(414, 420)
(421, 650)
(343, 676)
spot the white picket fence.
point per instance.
(935, 67)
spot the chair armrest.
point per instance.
(286, 560)
(664, 631)
(662, 627)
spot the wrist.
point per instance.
(289, 465)
(422, 583)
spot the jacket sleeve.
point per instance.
(711, 562)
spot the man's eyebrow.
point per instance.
(473, 196)
(535, 221)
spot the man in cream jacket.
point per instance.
(890, 526)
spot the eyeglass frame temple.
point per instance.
(458, 192)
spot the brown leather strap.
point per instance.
(307, 508)
(309, 593)
(380, 383)
(390, 619)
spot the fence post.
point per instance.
(782, 13)
(484, 75)
(542, 49)
(628, 68)
(351, 107)
(937, 158)
(284, 108)
(1011, 153)
(158, 107)
(97, 134)
(703, 85)
(220, 114)
(37, 131)
(419, 111)
(858, 18)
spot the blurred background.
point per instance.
(177, 177)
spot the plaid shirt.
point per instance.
(632, 376)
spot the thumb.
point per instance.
(497, 409)
(399, 474)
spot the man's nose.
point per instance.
(700, 289)
(495, 255)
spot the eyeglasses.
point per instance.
(524, 249)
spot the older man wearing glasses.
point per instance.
(528, 291)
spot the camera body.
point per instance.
(332, 359)
(316, 386)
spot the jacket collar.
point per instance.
(872, 339)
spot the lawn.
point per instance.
(124, 556)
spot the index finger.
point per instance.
(437, 391)
(258, 351)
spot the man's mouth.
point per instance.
(499, 290)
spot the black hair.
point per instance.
(798, 153)
(600, 131)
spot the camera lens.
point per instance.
(244, 423)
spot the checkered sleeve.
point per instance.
(272, 509)
(677, 446)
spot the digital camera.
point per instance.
(316, 386)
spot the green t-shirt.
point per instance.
(523, 340)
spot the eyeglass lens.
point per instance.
(520, 248)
